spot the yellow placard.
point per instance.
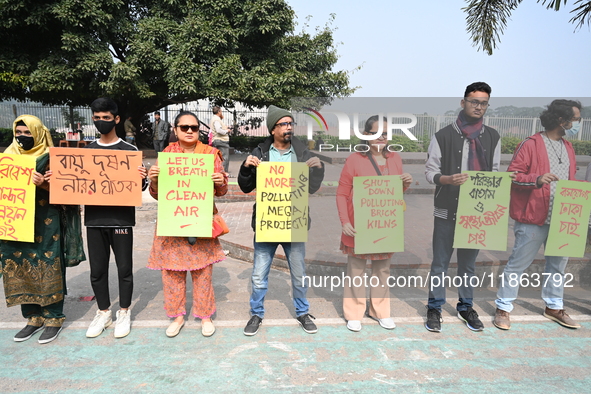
(17, 198)
(282, 202)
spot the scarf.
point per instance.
(39, 132)
(471, 130)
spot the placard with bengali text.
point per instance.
(17, 198)
(482, 218)
(570, 217)
(95, 177)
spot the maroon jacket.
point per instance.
(530, 203)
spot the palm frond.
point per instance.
(486, 20)
(583, 14)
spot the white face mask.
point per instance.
(574, 129)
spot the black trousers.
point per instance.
(100, 242)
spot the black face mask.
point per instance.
(103, 126)
(26, 142)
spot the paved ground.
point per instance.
(535, 354)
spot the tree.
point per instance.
(147, 54)
(72, 118)
(486, 19)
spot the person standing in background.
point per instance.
(221, 139)
(129, 131)
(161, 130)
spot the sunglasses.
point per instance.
(185, 127)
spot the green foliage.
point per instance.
(408, 144)
(245, 143)
(508, 144)
(147, 54)
(72, 122)
(582, 147)
(5, 137)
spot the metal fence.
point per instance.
(252, 122)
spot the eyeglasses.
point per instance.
(186, 127)
(476, 103)
(576, 119)
(384, 135)
(285, 124)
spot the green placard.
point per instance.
(185, 195)
(483, 211)
(379, 214)
(570, 215)
(282, 202)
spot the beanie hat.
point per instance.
(274, 114)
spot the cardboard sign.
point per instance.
(482, 218)
(379, 214)
(282, 202)
(95, 177)
(570, 215)
(17, 198)
(185, 195)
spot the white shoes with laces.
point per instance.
(123, 323)
(101, 321)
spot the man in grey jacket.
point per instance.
(161, 130)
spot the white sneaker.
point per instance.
(354, 325)
(101, 321)
(123, 323)
(387, 323)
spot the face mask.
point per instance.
(26, 142)
(103, 126)
(574, 129)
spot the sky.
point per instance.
(422, 49)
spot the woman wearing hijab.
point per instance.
(34, 272)
(175, 256)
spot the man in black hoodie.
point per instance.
(279, 147)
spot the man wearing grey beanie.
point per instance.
(279, 147)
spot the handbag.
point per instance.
(219, 226)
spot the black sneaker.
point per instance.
(470, 317)
(27, 333)
(434, 320)
(49, 334)
(252, 327)
(307, 323)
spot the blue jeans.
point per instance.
(263, 256)
(528, 239)
(443, 240)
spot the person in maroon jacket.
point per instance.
(538, 162)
